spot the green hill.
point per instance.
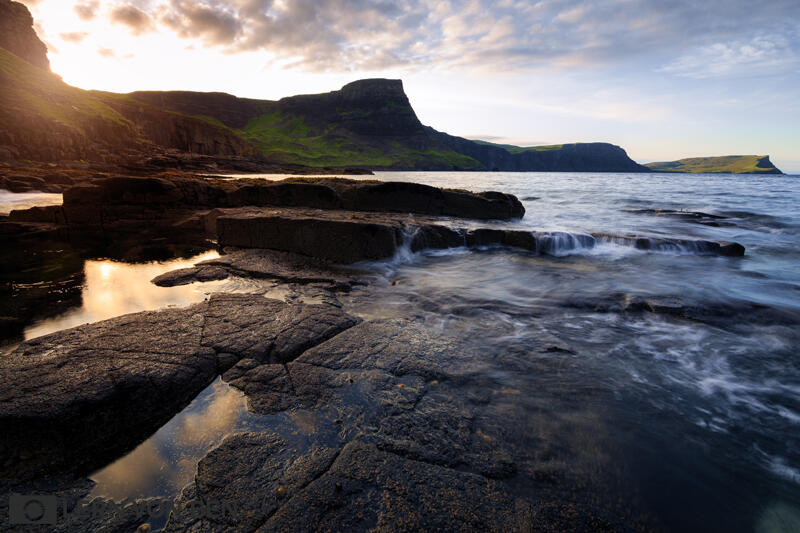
(732, 164)
(45, 119)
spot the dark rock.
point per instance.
(367, 489)
(731, 249)
(285, 266)
(73, 400)
(269, 330)
(76, 397)
(18, 36)
(334, 240)
(184, 276)
(115, 211)
(295, 194)
(521, 239)
(485, 237)
(697, 217)
(660, 244)
(725, 314)
(434, 236)
(52, 214)
(250, 474)
(400, 197)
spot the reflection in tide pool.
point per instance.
(113, 288)
(163, 464)
(24, 200)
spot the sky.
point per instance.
(664, 79)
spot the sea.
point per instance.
(687, 406)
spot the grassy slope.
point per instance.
(734, 164)
(290, 139)
(520, 149)
(26, 88)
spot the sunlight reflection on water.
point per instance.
(113, 288)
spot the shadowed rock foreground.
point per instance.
(408, 431)
(369, 422)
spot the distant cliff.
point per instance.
(575, 157)
(371, 123)
(733, 164)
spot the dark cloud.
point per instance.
(87, 11)
(73, 37)
(672, 36)
(214, 24)
(134, 18)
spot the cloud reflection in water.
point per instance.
(163, 464)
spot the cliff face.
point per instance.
(576, 157)
(225, 108)
(180, 132)
(44, 119)
(374, 107)
(17, 34)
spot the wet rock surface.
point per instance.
(730, 314)
(403, 428)
(285, 267)
(72, 400)
(385, 424)
(347, 237)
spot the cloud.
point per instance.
(759, 55)
(106, 52)
(669, 37)
(87, 11)
(74, 37)
(134, 18)
(213, 25)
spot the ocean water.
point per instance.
(705, 412)
(689, 413)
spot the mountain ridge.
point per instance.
(371, 123)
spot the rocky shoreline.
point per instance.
(408, 430)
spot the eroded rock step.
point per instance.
(347, 237)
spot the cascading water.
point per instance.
(560, 243)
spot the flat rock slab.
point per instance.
(395, 381)
(77, 398)
(356, 487)
(367, 489)
(322, 193)
(266, 264)
(184, 276)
